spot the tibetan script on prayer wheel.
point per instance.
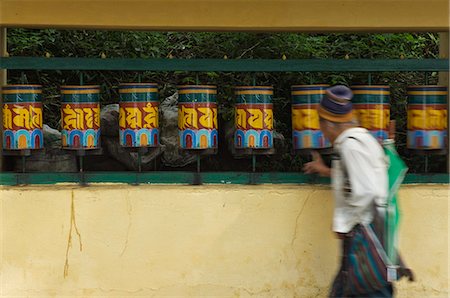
(197, 116)
(254, 117)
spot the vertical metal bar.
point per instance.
(426, 78)
(197, 175)
(23, 163)
(3, 75)
(254, 79)
(81, 78)
(197, 81)
(23, 78)
(253, 163)
(139, 161)
(369, 79)
(444, 79)
(81, 163)
(139, 78)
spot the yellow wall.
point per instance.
(190, 241)
(226, 15)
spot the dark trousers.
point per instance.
(338, 287)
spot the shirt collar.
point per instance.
(348, 132)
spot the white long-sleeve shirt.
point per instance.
(365, 162)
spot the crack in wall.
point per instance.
(296, 259)
(294, 236)
(73, 225)
(129, 210)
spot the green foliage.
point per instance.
(131, 44)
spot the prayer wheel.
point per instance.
(22, 117)
(138, 115)
(371, 105)
(427, 117)
(197, 116)
(80, 117)
(306, 133)
(254, 117)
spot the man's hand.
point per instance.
(317, 166)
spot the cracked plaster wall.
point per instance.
(123, 241)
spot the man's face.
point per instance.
(326, 129)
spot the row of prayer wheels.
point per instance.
(197, 116)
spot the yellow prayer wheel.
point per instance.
(80, 117)
(371, 105)
(254, 117)
(427, 117)
(306, 133)
(138, 115)
(197, 116)
(22, 117)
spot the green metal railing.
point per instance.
(7, 178)
(244, 65)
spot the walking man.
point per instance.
(358, 175)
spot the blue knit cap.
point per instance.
(336, 105)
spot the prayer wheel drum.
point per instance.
(80, 117)
(306, 133)
(138, 115)
(22, 117)
(197, 116)
(254, 117)
(427, 117)
(371, 105)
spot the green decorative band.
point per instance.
(436, 99)
(197, 97)
(370, 98)
(307, 99)
(125, 87)
(427, 88)
(139, 97)
(74, 98)
(26, 97)
(252, 98)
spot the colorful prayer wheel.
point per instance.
(371, 105)
(197, 116)
(22, 117)
(138, 115)
(254, 117)
(306, 133)
(80, 117)
(427, 117)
